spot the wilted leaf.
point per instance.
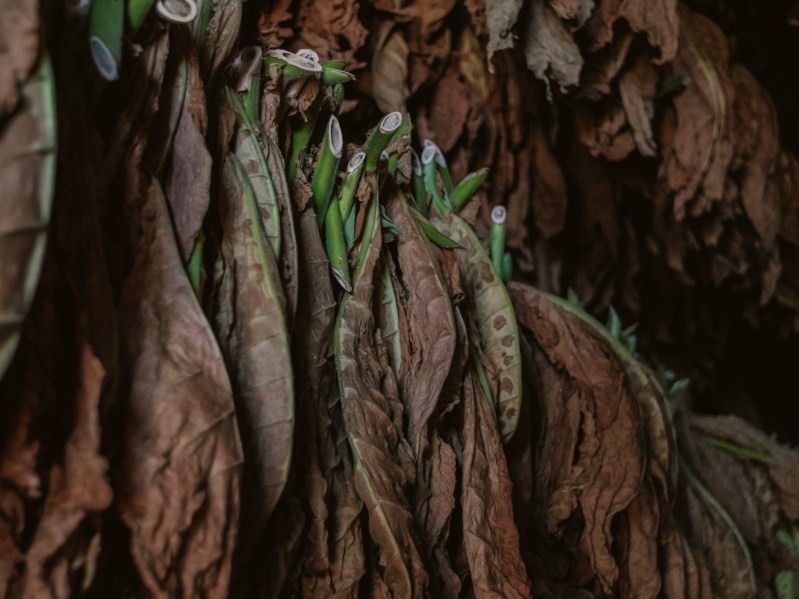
(373, 435)
(27, 179)
(431, 328)
(178, 479)
(550, 51)
(489, 531)
(19, 46)
(251, 330)
(590, 456)
(78, 492)
(390, 73)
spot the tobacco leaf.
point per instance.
(28, 390)
(489, 531)
(221, 37)
(188, 183)
(657, 19)
(590, 454)
(177, 480)
(288, 261)
(495, 319)
(311, 349)
(251, 329)
(753, 479)
(27, 177)
(374, 436)
(390, 72)
(59, 559)
(430, 326)
(332, 29)
(637, 88)
(390, 321)
(19, 48)
(549, 49)
(501, 17)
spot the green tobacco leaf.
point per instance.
(495, 318)
(431, 325)
(376, 443)
(251, 328)
(27, 176)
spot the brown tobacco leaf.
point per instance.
(178, 479)
(27, 172)
(374, 436)
(495, 319)
(501, 17)
(637, 87)
(28, 392)
(317, 311)
(332, 29)
(19, 47)
(590, 452)
(550, 51)
(251, 330)
(489, 532)
(655, 18)
(431, 328)
(347, 559)
(188, 184)
(390, 72)
(78, 492)
(754, 479)
(221, 36)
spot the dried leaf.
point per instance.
(27, 178)
(431, 328)
(390, 73)
(489, 532)
(251, 329)
(501, 17)
(177, 481)
(19, 47)
(374, 438)
(59, 554)
(550, 51)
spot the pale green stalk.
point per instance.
(350, 184)
(497, 237)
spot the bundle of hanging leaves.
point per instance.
(245, 353)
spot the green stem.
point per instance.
(467, 187)
(196, 264)
(248, 79)
(497, 237)
(430, 182)
(441, 165)
(106, 25)
(379, 138)
(325, 175)
(350, 185)
(336, 248)
(418, 185)
(173, 11)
